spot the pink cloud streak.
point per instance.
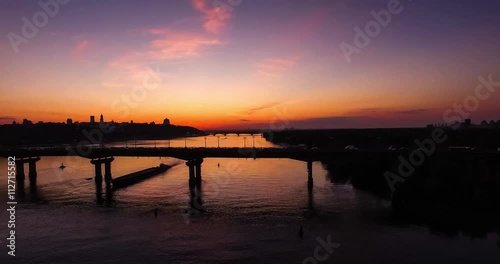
(215, 19)
(176, 45)
(274, 67)
(78, 51)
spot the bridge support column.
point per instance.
(195, 183)
(198, 171)
(309, 176)
(107, 170)
(107, 174)
(192, 181)
(98, 174)
(32, 172)
(20, 174)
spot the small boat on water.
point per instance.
(62, 166)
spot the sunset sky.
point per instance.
(256, 64)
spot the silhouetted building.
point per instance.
(468, 123)
(166, 121)
(14, 122)
(69, 121)
(101, 120)
(27, 122)
(92, 119)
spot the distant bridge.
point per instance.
(235, 132)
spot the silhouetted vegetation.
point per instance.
(457, 194)
(385, 137)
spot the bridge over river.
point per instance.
(374, 161)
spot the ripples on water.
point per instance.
(253, 212)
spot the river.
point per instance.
(253, 210)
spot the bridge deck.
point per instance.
(188, 153)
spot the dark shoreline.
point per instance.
(488, 138)
(60, 133)
(467, 185)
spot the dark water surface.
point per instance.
(253, 211)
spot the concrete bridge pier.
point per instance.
(192, 181)
(32, 172)
(194, 172)
(107, 173)
(98, 174)
(195, 183)
(107, 170)
(20, 174)
(310, 182)
(198, 163)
